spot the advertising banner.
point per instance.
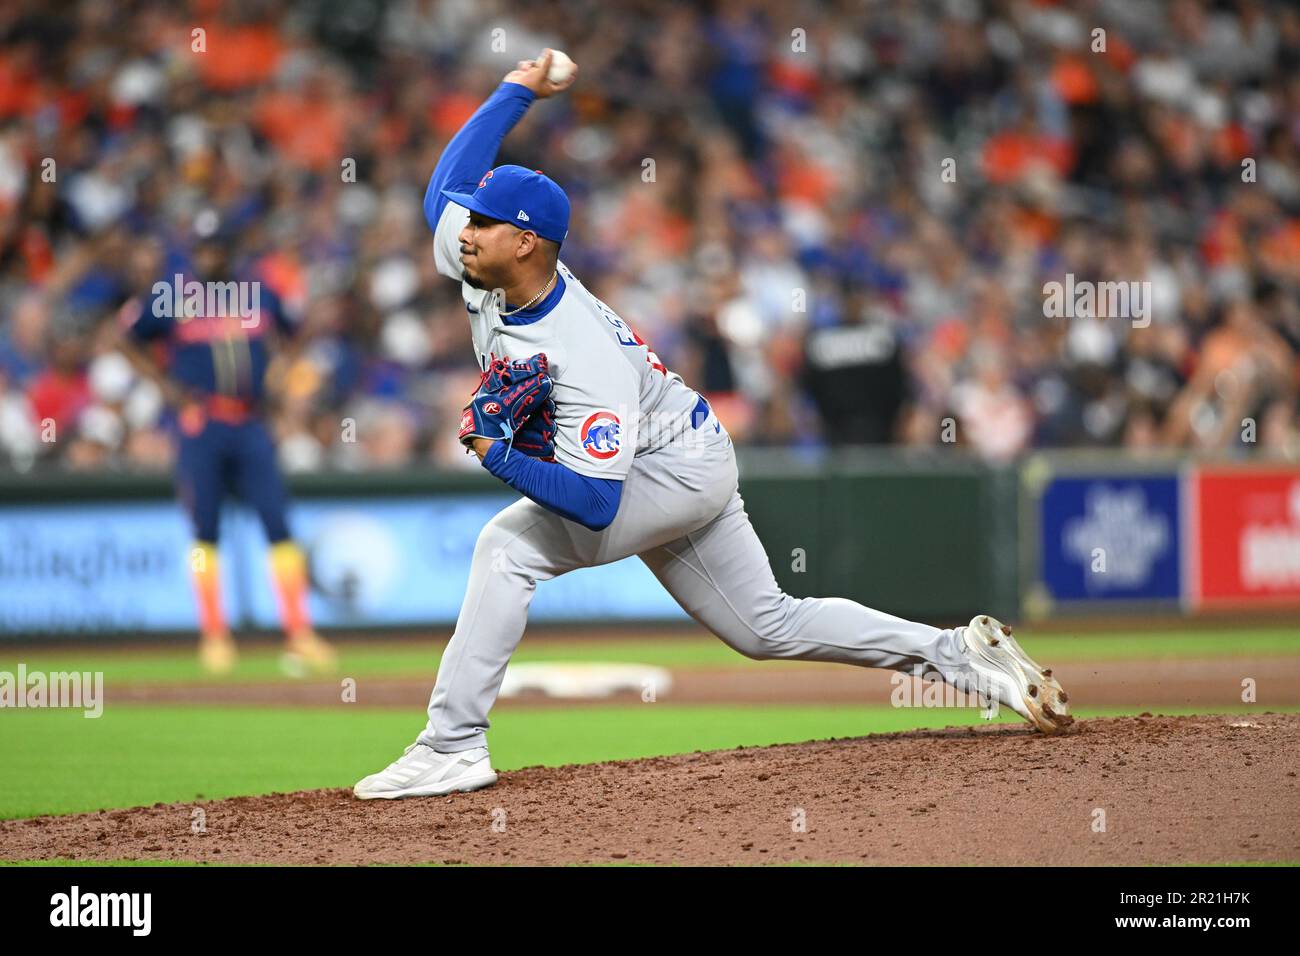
(406, 561)
(1105, 540)
(1246, 527)
(122, 568)
(91, 568)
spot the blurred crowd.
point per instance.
(836, 219)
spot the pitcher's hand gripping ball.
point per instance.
(509, 395)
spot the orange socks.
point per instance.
(289, 575)
(205, 571)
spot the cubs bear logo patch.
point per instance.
(601, 434)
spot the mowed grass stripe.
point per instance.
(413, 658)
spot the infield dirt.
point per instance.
(1134, 790)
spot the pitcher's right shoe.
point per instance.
(423, 772)
(1028, 689)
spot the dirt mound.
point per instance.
(1167, 790)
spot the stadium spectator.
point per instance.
(747, 177)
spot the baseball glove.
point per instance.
(537, 436)
(511, 397)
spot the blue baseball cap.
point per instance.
(526, 198)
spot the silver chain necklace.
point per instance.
(533, 299)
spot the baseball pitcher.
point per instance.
(615, 456)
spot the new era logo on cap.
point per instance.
(522, 215)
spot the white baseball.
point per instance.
(561, 66)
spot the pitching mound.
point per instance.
(1139, 790)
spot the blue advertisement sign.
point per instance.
(109, 567)
(1111, 538)
(406, 561)
(118, 567)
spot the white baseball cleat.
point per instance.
(423, 772)
(1000, 663)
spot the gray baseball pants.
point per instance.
(682, 514)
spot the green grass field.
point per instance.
(57, 761)
(388, 658)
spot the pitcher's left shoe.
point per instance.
(422, 771)
(307, 653)
(1001, 664)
